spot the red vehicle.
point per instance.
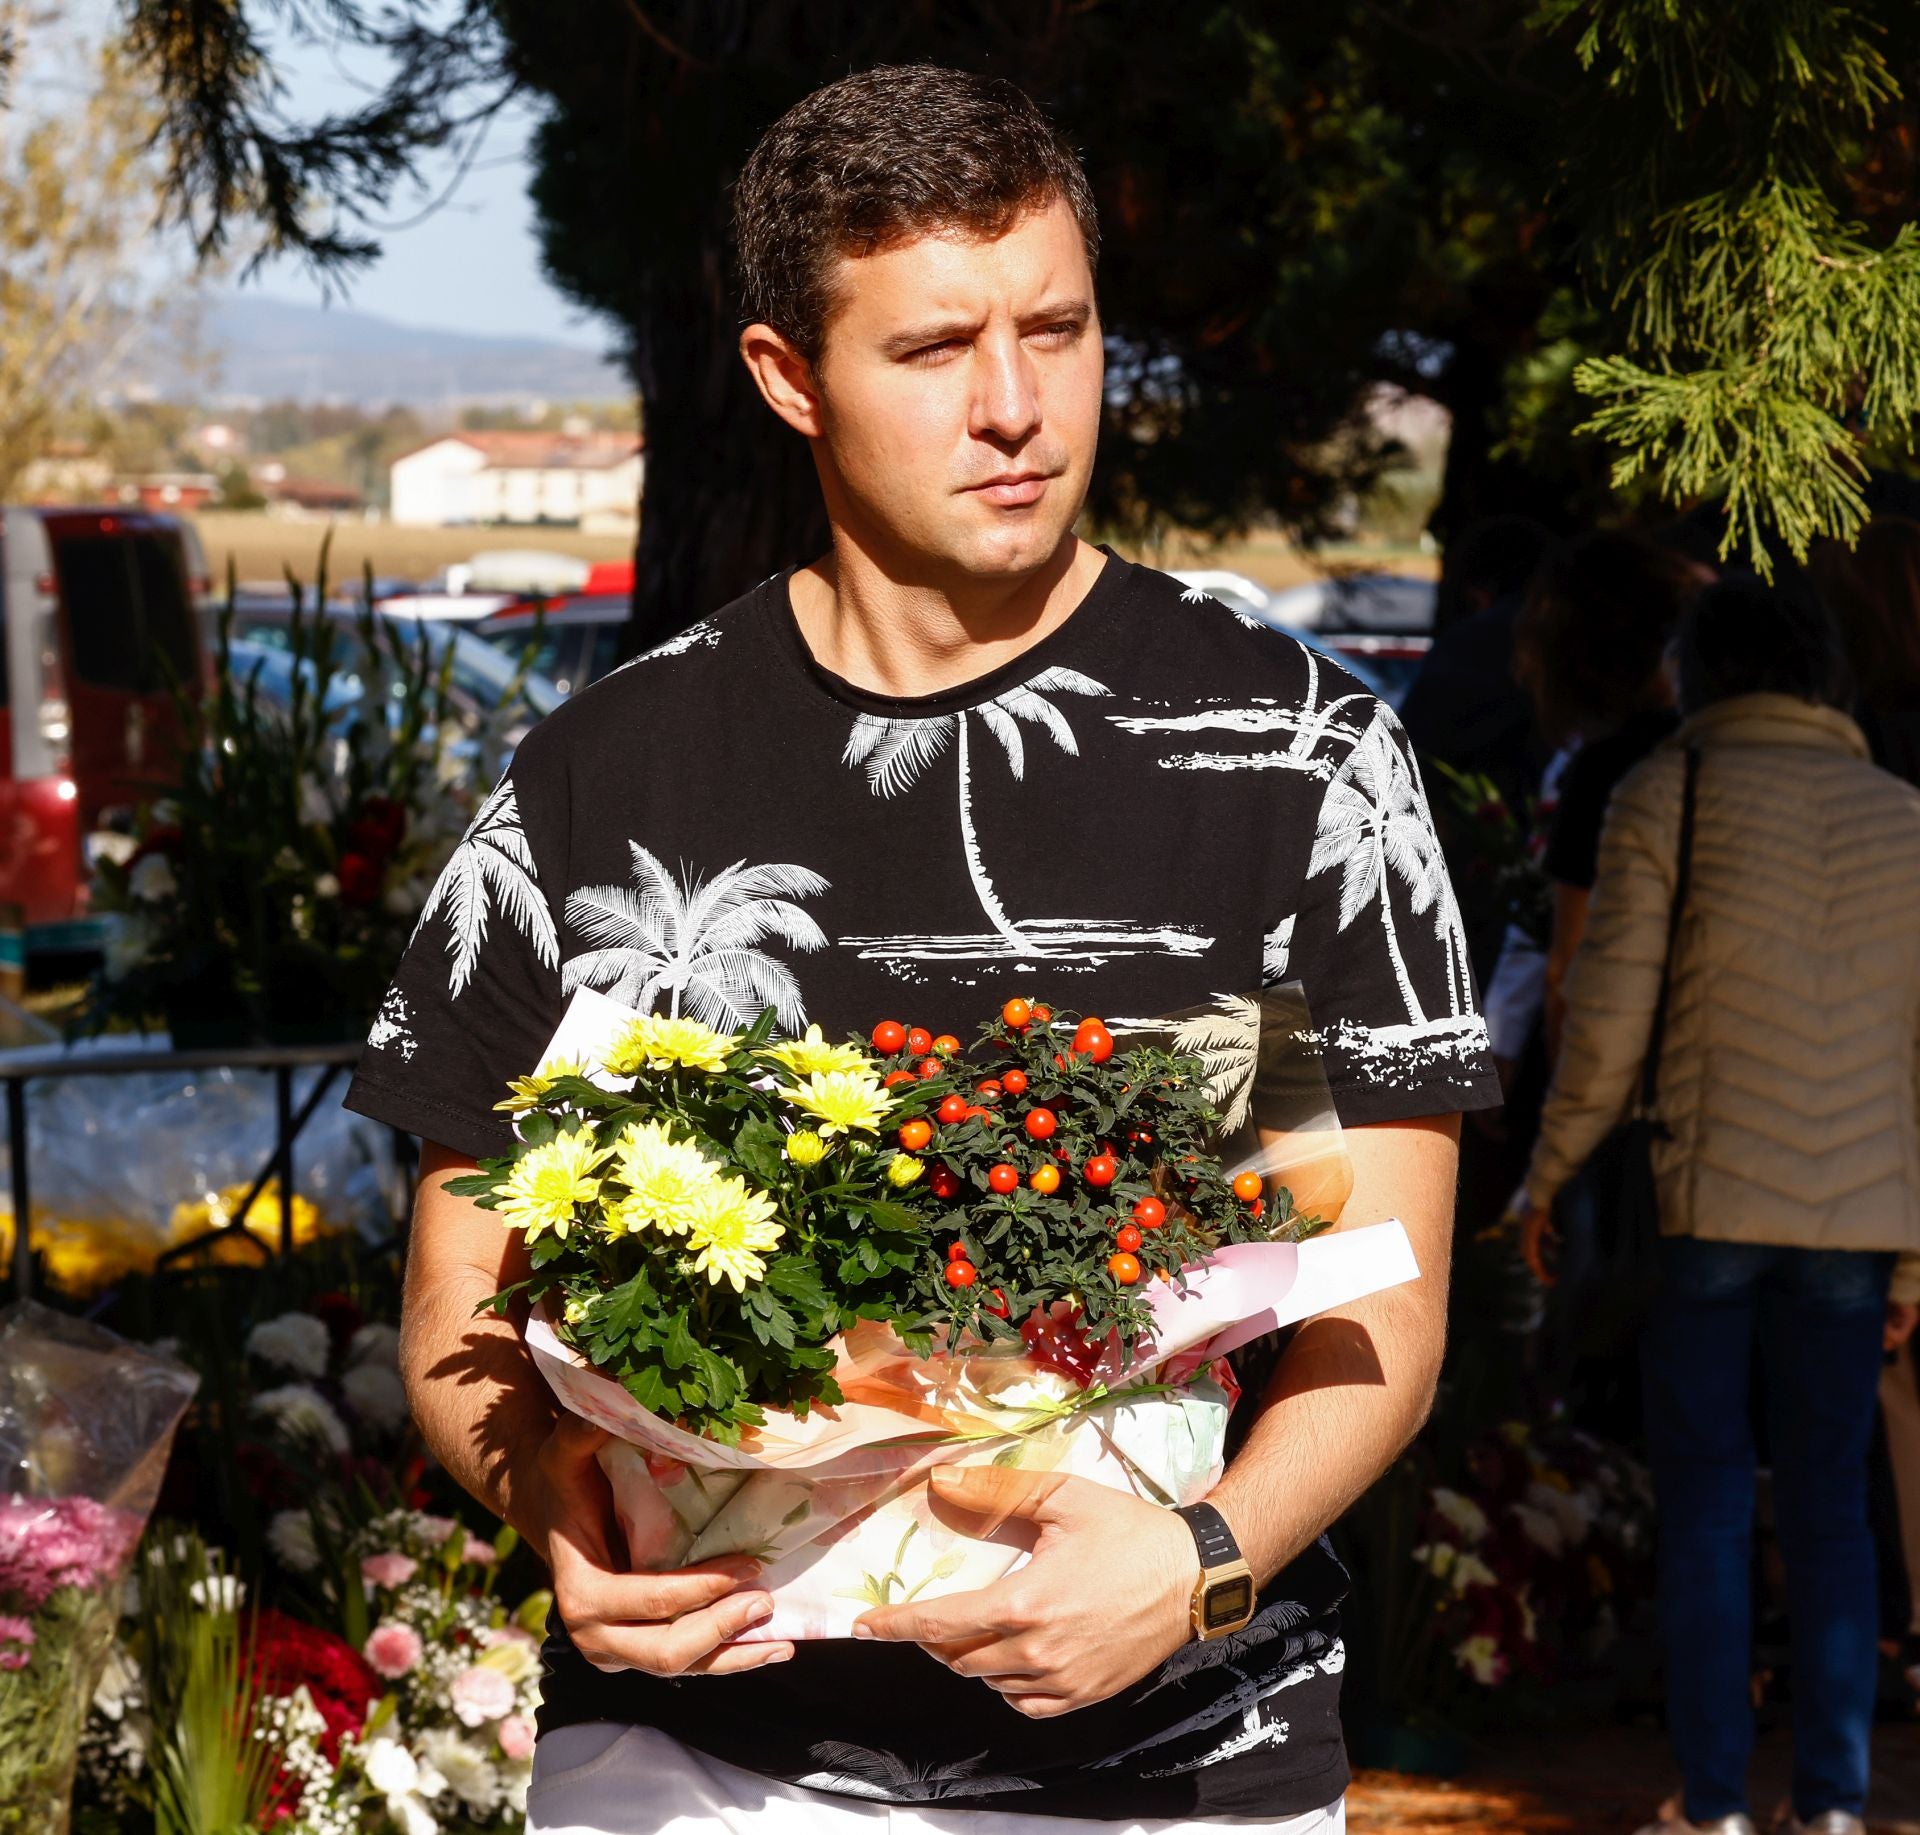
(100, 621)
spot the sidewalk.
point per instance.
(1605, 1782)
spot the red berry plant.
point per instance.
(1071, 1175)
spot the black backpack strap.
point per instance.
(1683, 879)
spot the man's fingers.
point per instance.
(960, 1618)
(991, 1659)
(1041, 1707)
(588, 1591)
(730, 1659)
(571, 1447)
(673, 1649)
(996, 1494)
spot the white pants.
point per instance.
(605, 1779)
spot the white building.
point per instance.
(590, 479)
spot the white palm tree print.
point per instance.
(693, 940)
(1374, 827)
(895, 752)
(493, 861)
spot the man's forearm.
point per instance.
(1354, 1385)
(1351, 1391)
(480, 1403)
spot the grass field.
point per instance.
(262, 547)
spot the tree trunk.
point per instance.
(730, 494)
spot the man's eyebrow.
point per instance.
(1075, 310)
(935, 331)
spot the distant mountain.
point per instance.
(273, 349)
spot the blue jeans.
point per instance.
(1816, 1316)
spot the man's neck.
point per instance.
(905, 638)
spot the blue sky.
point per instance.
(471, 264)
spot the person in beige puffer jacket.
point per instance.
(1790, 1182)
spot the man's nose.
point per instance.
(1006, 398)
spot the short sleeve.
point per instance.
(1377, 943)
(477, 994)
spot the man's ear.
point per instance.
(784, 378)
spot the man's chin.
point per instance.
(1009, 552)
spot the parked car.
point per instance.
(1387, 671)
(486, 688)
(576, 640)
(99, 612)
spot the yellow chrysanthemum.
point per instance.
(653, 1043)
(665, 1179)
(525, 1093)
(842, 1100)
(730, 1230)
(805, 1056)
(903, 1169)
(806, 1148)
(547, 1184)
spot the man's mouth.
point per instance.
(1011, 489)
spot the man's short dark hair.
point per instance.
(1742, 636)
(878, 158)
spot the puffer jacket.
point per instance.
(1788, 1077)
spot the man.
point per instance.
(961, 757)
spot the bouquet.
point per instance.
(790, 1277)
(85, 1423)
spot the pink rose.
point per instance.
(478, 1552)
(391, 1569)
(394, 1650)
(515, 1735)
(480, 1695)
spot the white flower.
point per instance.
(290, 1536)
(1540, 1529)
(129, 943)
(1462, 1512)
(152, 879)
(119, 1683)
(218, 1593)
(295, 1341)
(1480, 1657)
(470, 1774)
(107, 844)
(405, 1782)
(1471, 1571)
(376, 1343)
(316, 807)
(1437, 1558)
(375, 1393)
(326, 886)
(303, 1414)
(1572, 1511)
(514, 1779)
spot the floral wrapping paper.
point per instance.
(837, 1505)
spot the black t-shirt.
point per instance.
(1154, 804)
(1586, 788)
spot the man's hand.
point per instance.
(1105, 1599)
(676, 1624)
(1539, 1241)
(1902, 1317)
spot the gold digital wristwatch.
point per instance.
(1223, 1596)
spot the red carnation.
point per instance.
(287, 1653)
(361, 879)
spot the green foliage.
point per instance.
(1766, 338)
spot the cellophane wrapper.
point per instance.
(86, 1424)
(836, 1505)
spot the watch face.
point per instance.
(1228, 1603)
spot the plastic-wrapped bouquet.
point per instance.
(791, 1277)
(85, 1423)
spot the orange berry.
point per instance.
(1248, 1186)
(1124, 1268)
(915, 1134)
(1017, 1014)
(1044, 1179)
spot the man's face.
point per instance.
(960, 398)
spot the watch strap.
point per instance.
(1210, 1534)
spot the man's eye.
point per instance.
(1058, 334)
(935, 353)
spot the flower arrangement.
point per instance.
(60, 1566)
(85, 1422)
(791, 1276)
(272, 893)
(713, 1211)
(1528, 1560)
